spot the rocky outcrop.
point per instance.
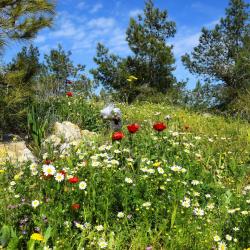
(15, 152)
(67, 133)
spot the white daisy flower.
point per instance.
(176, 168)
(185, 202)
(222, 246)
(59, 177)
(35, 203)
(160, 170)
(199, 212)
(82, 185)
(99, 228)
(102, 243)
(48, 170)
(195, 182)
(96, 163)
(120, 215)
(128, 180)
(210, 206)
(217, 238)
(146, 204)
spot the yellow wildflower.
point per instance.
(157, 164)
(133, 77)
(2, 171)
(36, 236)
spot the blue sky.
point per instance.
(81, 24)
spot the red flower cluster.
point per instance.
(133, 128)
(75, 206)
(117, 136)
(74, 179)
(159, 126)
(69, 94)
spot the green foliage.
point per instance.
(241, 106)
(152, 60)
(202, 97)
(18, 88)
(21, 20)
(218, 56)
(8, 238)
(77, 110)
(36, 127)
(57, 69)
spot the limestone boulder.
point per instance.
(15, 152)
(67, 131)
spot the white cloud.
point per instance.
(101, 23)
(81, 35)
(40, 39)
(135, 13)
(118, 43)
(96, 8)
(81, 5)
(66, 29)
(185, 43)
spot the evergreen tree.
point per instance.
(147, 38)
(151, 61)
(57, 71)
(22, 19)
(217, 55)
(18, 88)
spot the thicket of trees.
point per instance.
(222, 55)
(221, 60)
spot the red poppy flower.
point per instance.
(74, 179)
(69, 94)
(117, 136)
(159, 126)
(133, 128)
(75, 206)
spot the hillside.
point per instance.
(185, 186)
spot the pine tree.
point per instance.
(151, 60)
(218, 52)
(22, 19)
(147, 38)
(58, 69)
(18, 88)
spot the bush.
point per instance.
(241, 106)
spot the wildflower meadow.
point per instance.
(169, 179)
(124, 125)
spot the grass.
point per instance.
(183, 188)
